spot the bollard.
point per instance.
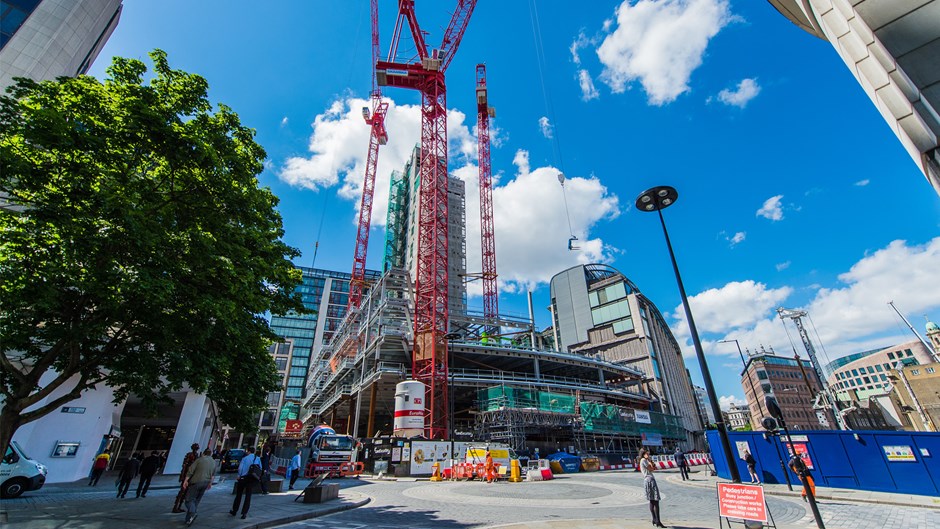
(436, 476)
(515, 473)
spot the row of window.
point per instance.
(900, 354)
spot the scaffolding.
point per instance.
(512, 415)
(395, 225)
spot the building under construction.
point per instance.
(487, 376)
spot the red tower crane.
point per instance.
(377, 137)
(488, 243)
(426, 75)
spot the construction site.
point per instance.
(488, 377)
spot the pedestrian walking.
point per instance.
(265, 468)
(751, 466)
(294, 469)
(682, 464)
(649, 485)
(99, 466)
(198, 480)
(148, 467)
(187, 462)
(489, 467)
(249, 471)
(798, 467)
(128, 473)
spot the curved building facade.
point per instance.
(892, 49)
(599, 313)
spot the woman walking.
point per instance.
(650, 486)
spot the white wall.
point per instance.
(38, 438)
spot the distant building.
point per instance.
(598, 312)
(45, 39)
(738, 417)
(891, 47)
(916, 397)
(866, 373)
(795, 386)
(704, 404)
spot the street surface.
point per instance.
(590, 500)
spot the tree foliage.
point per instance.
(137, 249)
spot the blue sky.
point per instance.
(792, 189)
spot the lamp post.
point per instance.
(656, 199)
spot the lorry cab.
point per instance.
(19, 473)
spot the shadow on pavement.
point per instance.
(389, 516)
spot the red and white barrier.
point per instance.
(614, 467)
(664, 462)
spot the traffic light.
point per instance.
(770, 424)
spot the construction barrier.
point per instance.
(665, 462)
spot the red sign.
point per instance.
(800, 448)
(742, 501)
(293, 426)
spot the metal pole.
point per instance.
(700, 355)
(783, 466)
(927, 344)
(806, 488)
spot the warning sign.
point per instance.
(745, 502)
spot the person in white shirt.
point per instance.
(294, 469)
(245, 482)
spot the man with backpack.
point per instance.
(249, 473)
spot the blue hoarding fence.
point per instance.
(902, 462)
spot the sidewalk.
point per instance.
(72, 506)
(704, 479)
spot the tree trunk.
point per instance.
(9, 422)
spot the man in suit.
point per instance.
(148, 467)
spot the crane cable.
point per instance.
(550, 109)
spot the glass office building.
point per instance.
(326, 295)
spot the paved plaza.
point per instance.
(596, 500)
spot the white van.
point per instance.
(19, 473)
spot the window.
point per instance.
(915, 372)
(281, 363)
(871, 369)
(274, 398)
(267, 418)
(762, 375)
(295, 381)
(930, 370)
(855, 372)
(298, 371)
(878, 367)
(867, 380)
(890, 356)
(883, 378)
(887, 367)
(299, 361)
(293, 393)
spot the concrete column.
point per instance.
(189, 430)
(538, 370)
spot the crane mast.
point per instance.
(426, 75)
(796, 316)
(378, 136)
(487, 233)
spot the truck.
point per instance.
(331, 453)
(19, 473)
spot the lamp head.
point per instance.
(656, 198)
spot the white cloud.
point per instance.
(737, 238)
(284, 121)
(578, 43)
(726, 401)
(850, 317)
(548, 130)
(863, 183)
(588, 90)
(736, 305)
(339, 145)
(772, 209)
(531, 226)
(746, 91)
(660, 44)
(530, 223)
(782, 266)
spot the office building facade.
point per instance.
(704, 405)
(795, 386)
(45, 39)
(598, 312)
(738, 417)
(891, 47)
(866, 373)
(326, 295)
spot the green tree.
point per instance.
(137, 249)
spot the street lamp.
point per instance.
(656, 199)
